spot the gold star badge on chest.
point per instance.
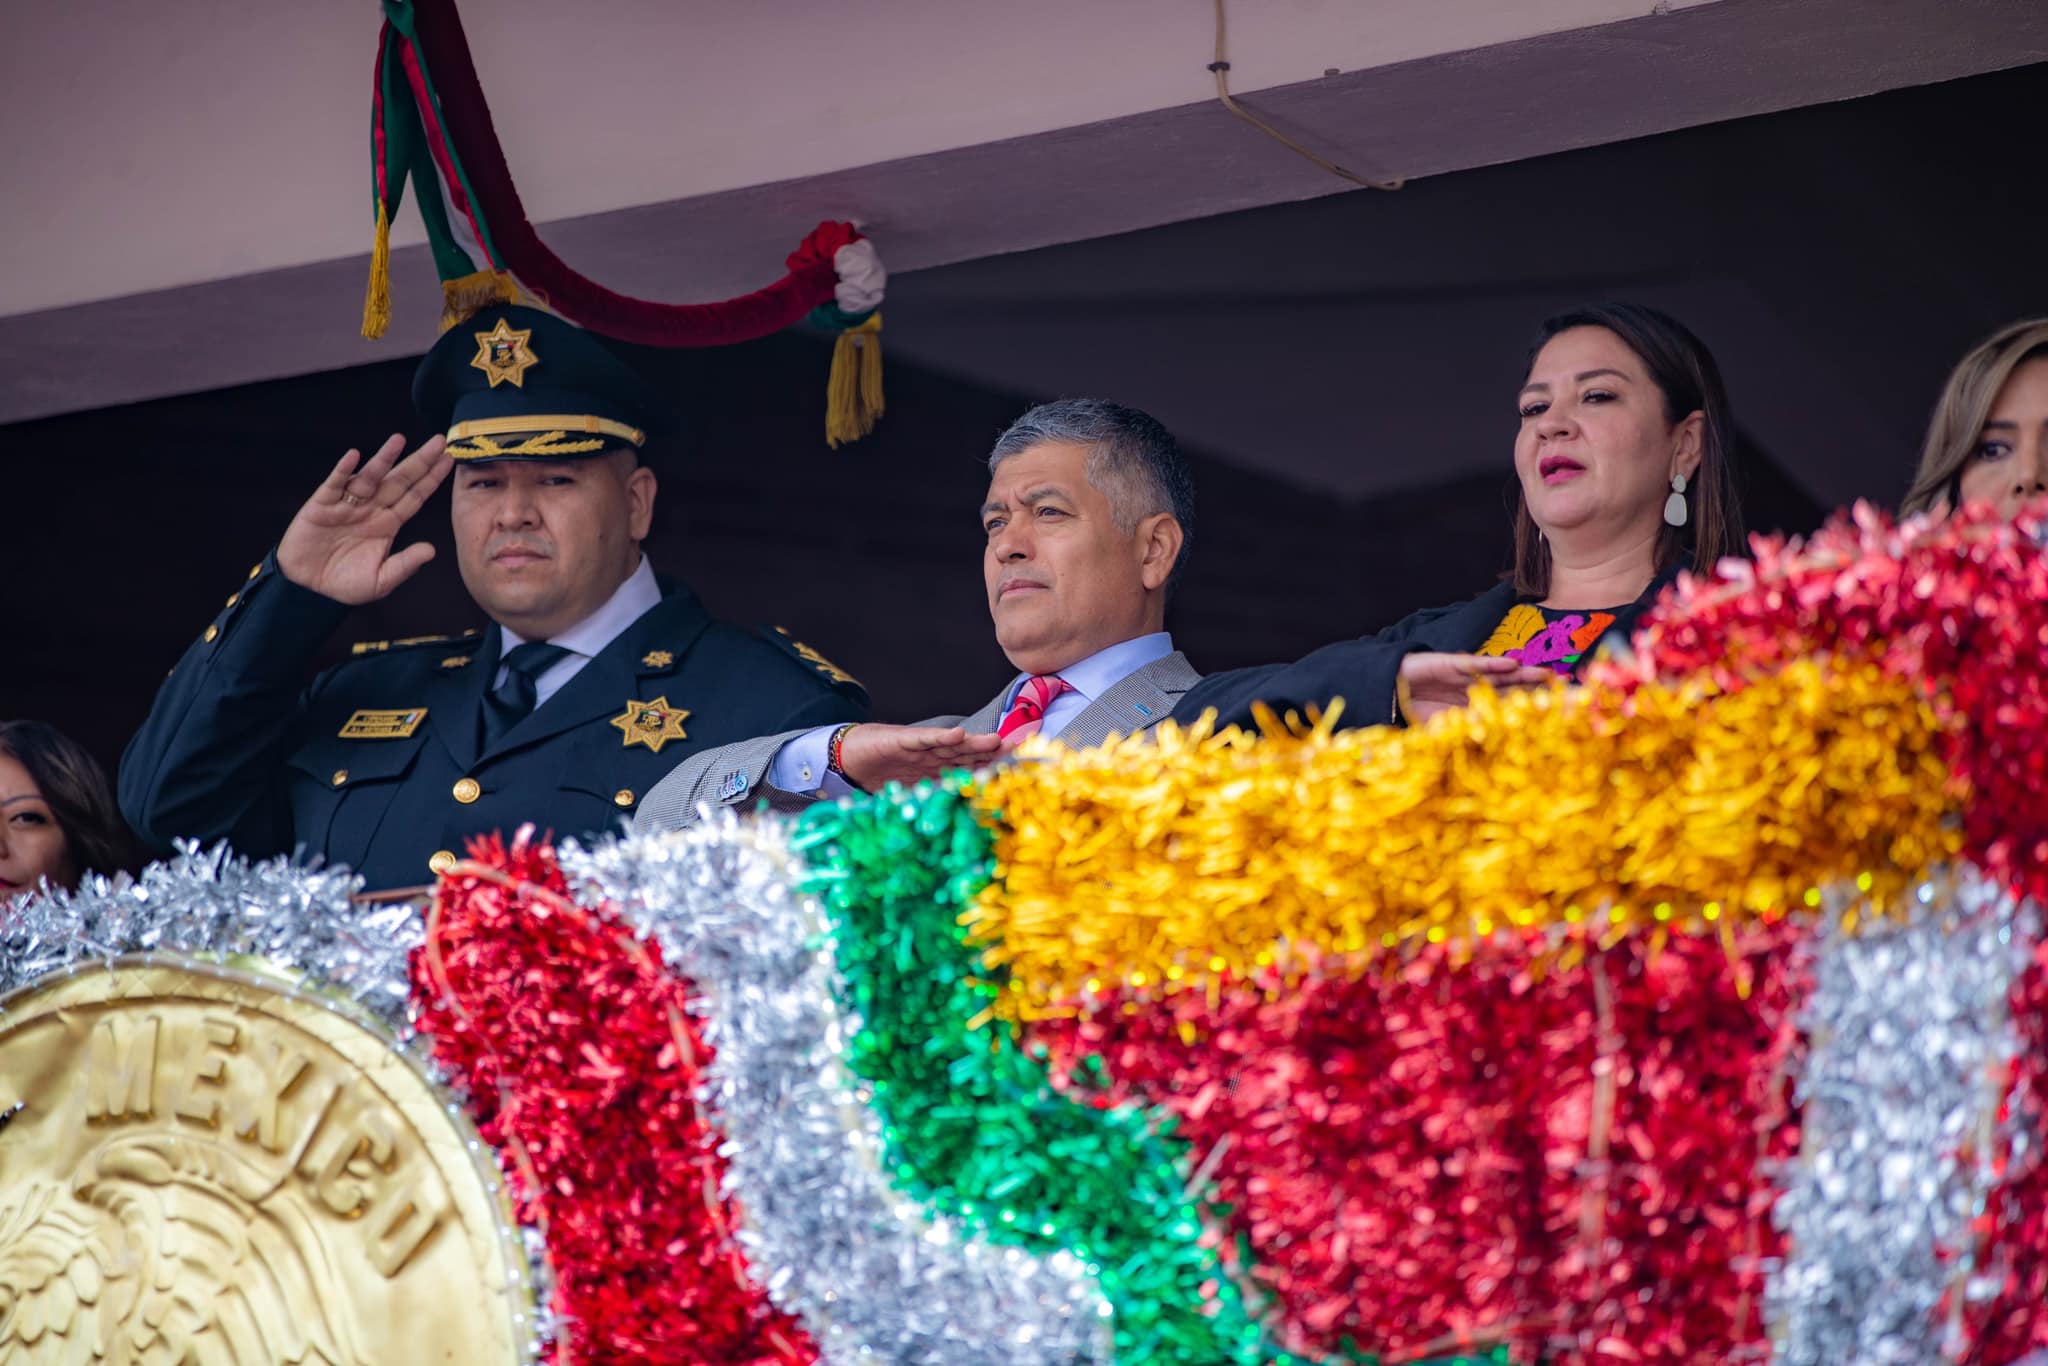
(652, 724)
(503, 354)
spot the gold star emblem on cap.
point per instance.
(652, 724)
(503, 354)
(657, 659)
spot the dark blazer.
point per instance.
(238, 747)
(1362, 671)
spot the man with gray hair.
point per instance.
(1089, 514)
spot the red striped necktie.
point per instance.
(1027, 709)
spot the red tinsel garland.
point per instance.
(1962, 604)
(2014, 1228)
(583, 1064)
(1575, 1163)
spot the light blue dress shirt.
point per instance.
(800, 765)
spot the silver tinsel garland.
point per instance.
(873, 1277)
(1907, 1021)
(210, 904)
(1910, 1043)
(295, 930)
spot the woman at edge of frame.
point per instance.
(58, 821)
(1988, 438)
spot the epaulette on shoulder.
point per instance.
(803, 654)
(378, 647)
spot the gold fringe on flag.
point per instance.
(463, 298)
(853, 394)
(377, 298)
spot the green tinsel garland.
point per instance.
(974, 1128)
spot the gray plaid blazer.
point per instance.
(737, 774)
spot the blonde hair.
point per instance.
(1965, 403)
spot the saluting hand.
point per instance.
(339, 544)
(1438, 682)
(875, 755)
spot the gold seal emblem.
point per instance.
(505, 354)
(206, 1165)
(652, 724)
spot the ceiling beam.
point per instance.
(1427, 117)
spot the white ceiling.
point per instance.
(181, 141)
(192, 208)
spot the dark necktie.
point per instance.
(506, 705)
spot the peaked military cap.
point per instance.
(515, 383)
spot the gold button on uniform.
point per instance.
(441, 862)
(234, 598)
(468, 790)
(212, 634)
(623, 797)
(340, 776)
(254, 570)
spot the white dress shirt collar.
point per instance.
(630, 601)
(1103, 670)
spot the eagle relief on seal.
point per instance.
(202, 1166)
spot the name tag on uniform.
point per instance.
(383, 725)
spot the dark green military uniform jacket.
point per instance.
(377, 765)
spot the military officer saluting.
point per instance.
(594, 680)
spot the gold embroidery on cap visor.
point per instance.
(505, 355)
(544, 434)
(237, 1169)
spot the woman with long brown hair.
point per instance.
(1988, 439)
(58, 821)
(1623, 456)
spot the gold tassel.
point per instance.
(463, 298)
(853, 395)
(377, 298)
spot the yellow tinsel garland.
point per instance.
(1166, 860)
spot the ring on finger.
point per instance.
(351, 500)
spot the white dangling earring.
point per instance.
(1675, 513)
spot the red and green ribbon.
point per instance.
(430, 124)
